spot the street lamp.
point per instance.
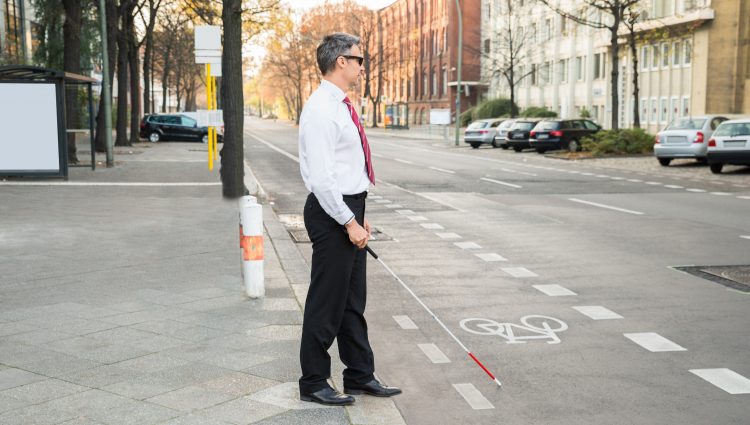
(458, 71)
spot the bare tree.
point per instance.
(148, 52)
(631, 18)
(111, 11)
(123, 39)
(72, 63)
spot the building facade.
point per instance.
(17, 30)
(693, 58)
(416, 42)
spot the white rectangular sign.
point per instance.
(440, 116)
(216, 69)
(208, 59)
(28, 117)
(206, 118)
(207, 37)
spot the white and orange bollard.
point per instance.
(251, 242)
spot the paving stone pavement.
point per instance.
(125, 304)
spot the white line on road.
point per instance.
(726, 379)
(654, 183)
(274, 147)
(745, 236)
(442, 170)
(382, 201)
(609, 207)
(653, 342)
(597, 312)
(743, 197)
(491, 256)
(432, 226)
(436, 200)
(417, 218)
(448, 235)
(674, 186)
(519, 272)
(721, 193)
(141, 184)
(433, 353)
(373, 197)
(499, 182)
(377, 155)
(405, 322)
(617, 178)
(554, 290)
(393, 206)
(467, 245)
(403, 161)
(602, 176)
(405, 212)
(585, 174)
(635, 180)
(696, 190)
(472, 396)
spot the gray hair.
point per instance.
(333, 46)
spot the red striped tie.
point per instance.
(363, 137)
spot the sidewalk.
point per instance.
(121, 302)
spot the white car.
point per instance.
(686, 137)
(730, 144)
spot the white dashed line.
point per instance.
(597, 312)
(417, 218)
(393, 206)
(602, 176)
(519, 272)
(587, 174)
(405, 212)
(467, 245)
(448, 235)
(743, 197)
(403, 161)
(374, 197)
(635, 180)
(617, 178)
(501, 183)
(696, 190)
(382, 201)
(726, 379)
(443, 170)
(405, 322)
(609, 207)
(674, 186)
(745, 236)
(721, 193)
(654, 183)
(377, 155)
(472, 396)
(433, 353)
(432, 226)
(653, 342)
(491, 256)
(554, 290)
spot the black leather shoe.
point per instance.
(327, 396)
(372, 388)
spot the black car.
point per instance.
(561, 134)
(172, 127)
(518, 134)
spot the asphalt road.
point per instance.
(498, 236)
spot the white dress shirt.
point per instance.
(331, 158)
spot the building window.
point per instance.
(425, 86)
(655, 57)
(665, 55)
(644, 109)
(580, 68)
(487, 45)
(688, 52)
(533, 74)
(674, 110)
(548, 29)
(676, 50)
(411, 92)
(445, 80)
(663, 110)
(434, 82)
(644, 58)
(686, 106)
(563, 70)
(599, 65)
(533, 33)
(563, 25)
(654, 110)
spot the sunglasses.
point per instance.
(359, 59)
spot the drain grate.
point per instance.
(735, 277)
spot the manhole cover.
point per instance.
(736, 277)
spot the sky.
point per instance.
(372, 4)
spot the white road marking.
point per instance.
(393, 206)
(405, 212)
(276, 148)
(721, 193)
(609, 207)
(374, 197)
(744, 197)
(442, 170)
(653, 342)
(432, 226)
(437, 200)
(433, 353)
(403, 161)
(377, 155)
(617, 178)
(405, 322)
(382, 201)
(528, 174)
(602, 176)
(745, 236)
(502, 183)
(674, 186)
(696, 190)
(448, 235)
(519, 272)
(472, 396)
(554, 290)
(635, 180)
(654, 183)
(597, 312)
(491, 256)
(131, 184)
(586, 174)
(417, 218)
(726, 379)
(467, 245)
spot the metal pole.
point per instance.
(105, 86)
(458, 71)
(91, 128)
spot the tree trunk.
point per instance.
(126, 14)
(148, 56)
(615, 117)
(636, 89)
(112, 18)
(165, 79)
(72, 63)
(135, 89)
(232, 154)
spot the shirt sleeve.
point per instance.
(319, 137)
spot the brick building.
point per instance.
(415, 49)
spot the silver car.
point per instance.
(482, 131)
(730, 144)
(502, 130)
(686, 137)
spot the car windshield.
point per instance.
(733, 129)
(506, 124)
(547, 126)
(477, 124)
(523, 126)
(686, 123)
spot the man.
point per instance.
(336, 167)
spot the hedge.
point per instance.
(619, 142)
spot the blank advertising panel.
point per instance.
(28, 118)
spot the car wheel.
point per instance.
(475, 145)
(204, 139)
(540, 151)
(517, 148)
(716, 168)
(154, 137)
(702, 161)
(504, 147)
(574, 146)
(664, 161)
(495, 145)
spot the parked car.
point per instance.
(481, 131)
(730, 144)
(518, 134)
(501, 132)
(160, 127)
(686, 137)
(561, 134)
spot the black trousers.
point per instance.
(335, 302)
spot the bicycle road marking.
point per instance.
(532, 327)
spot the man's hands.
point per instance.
(358, 235)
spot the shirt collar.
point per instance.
(333, 90)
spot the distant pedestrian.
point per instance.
(336, 167)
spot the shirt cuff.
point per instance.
(350, 220)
